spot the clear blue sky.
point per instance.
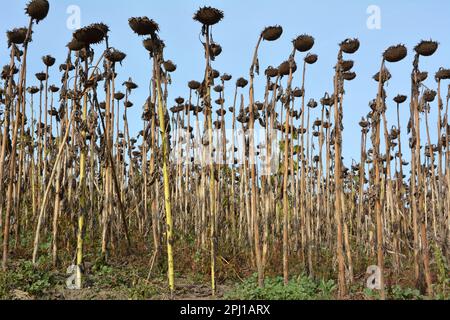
(330, 22)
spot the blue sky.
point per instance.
(330, 22)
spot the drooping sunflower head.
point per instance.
(143, 26)
(395, 53)
(272, 33)
(350, 46)
(426, 48)
(37, 9)
(92, 34)
(208, 16)
(303, 43)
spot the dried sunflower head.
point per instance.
(326, 100)
(37, 9)
(426, 48)
(443, 74)
(271, 72)
(115, 56)
(272, 33)
(179, 100)
(177, 109)
(311, 58)
(385, 75)
(41, 76)
(119, 96)
(285, 68)
(32, 90)
(214, 74)
(154, 45)
(16, 36)
(75, 45)
(349, 75)
(303, 43)
(395, 53)
(220, 101)
(400, 99)
(221, 112)
(241, 83)
(143, 26)
(317, 122)
(429, 95)
(53, 88)
(297, 92)
(226, 77)
(48, 60)
(130, 85)
(350, 46)
(128, 104)
(312, 104)
(208, 16)
(92, 34)
(364, 123)
(422, 76)
(169, 66)
(215, 49)
(194, 85)
(347, 65)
